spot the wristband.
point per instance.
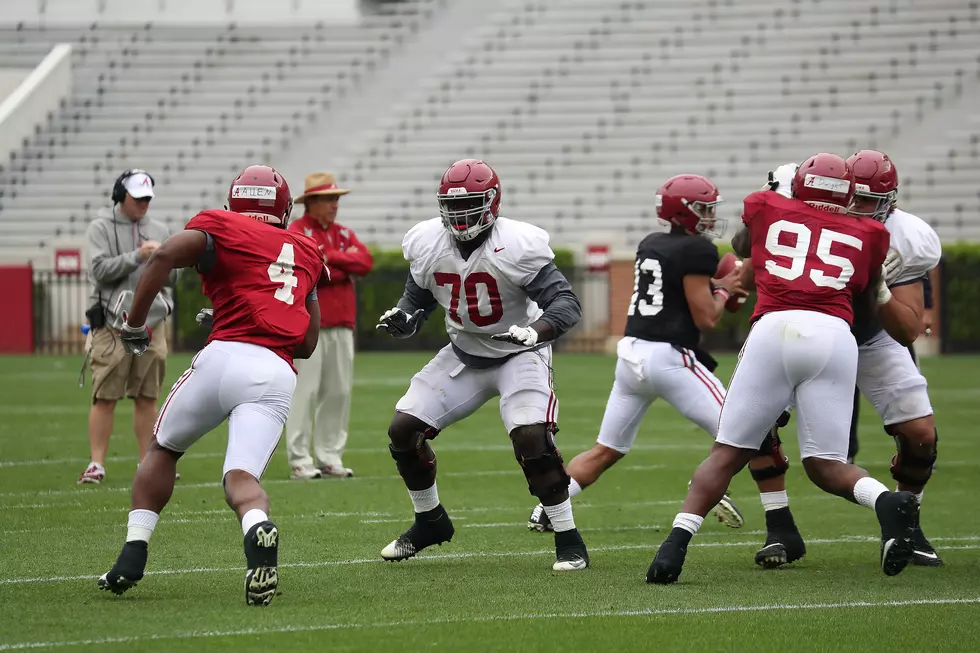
(721, 291)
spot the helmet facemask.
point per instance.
(709, 225)
(466, 215)
(867, 204)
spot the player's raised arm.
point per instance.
(181, 250)
(551, 291)
(405, 319)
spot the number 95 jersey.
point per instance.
(484, 294)
(808, 259)
(259, 281)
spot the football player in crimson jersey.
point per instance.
(887, 374)
(505, 302)
(675, 299)
(811, 262)
(261, 280)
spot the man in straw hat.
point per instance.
(321, 404)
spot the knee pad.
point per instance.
(544, 469)
(410, 448)
(772, 450)
(914, 461)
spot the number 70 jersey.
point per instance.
(808, 259)
(484, 294)
(259, 282)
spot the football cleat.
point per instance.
(782, 547)
(923, 553)
(128, 570)
(897, 513)
(432, 527)
(304, 473)
(728, 514)
(262, 558)
(669, 562)
(539, 520)
(570, 551)
(93, 475)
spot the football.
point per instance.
(725, 265)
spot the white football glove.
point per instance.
(400, 324)
(205, 318)
(884, 294)
(518, 336)
(781, 180)
(892, 266)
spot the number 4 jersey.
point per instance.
(658, 310)
(259, 281)
(808, 259)
(484, 294)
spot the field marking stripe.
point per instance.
(648, 612)
(450, 556)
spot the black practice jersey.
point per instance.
(658, 310)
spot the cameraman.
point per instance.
(119, 242)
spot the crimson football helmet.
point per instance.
(689, 202)
(875, 184)
(260, 192)
(469, 198)
(826, 182)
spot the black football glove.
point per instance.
(205, 318)
(399, 323)
(135, 340)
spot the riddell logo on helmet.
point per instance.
(831, 184)
(254, 192)
(456, 191)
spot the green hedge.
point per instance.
(960, 296)
(376, 293)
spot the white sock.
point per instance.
(867, 490)
(425, 500)
(141, 525)
(689, 522)
(251, 518)
(561, 516)
(774, 500)
(573, 488)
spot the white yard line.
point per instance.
(479, 554)
(645, 612)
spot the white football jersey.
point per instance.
(916, 242)
(485, 294)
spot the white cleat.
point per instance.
(728, 514)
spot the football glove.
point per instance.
(781, 180)
(205, 318)
(893, 265)
(135, 340)
(518, 336)
(884, 294)
(399, 323)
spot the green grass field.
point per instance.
(491, 588)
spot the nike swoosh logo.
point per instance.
(926, 554)
(498, 249)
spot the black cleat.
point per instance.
(262, 558)
(128, 570)
(923, 554)
(898, 514)
(669, 562)
(432, 527)
(570, 551)
(539, 520)
(784, 544)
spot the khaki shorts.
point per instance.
(116, 374)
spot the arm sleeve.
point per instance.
(927, 291)
(415, 297)
(553, 293)
(107, 269)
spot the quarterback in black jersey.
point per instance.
(674, 300)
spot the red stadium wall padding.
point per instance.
(17, 327)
